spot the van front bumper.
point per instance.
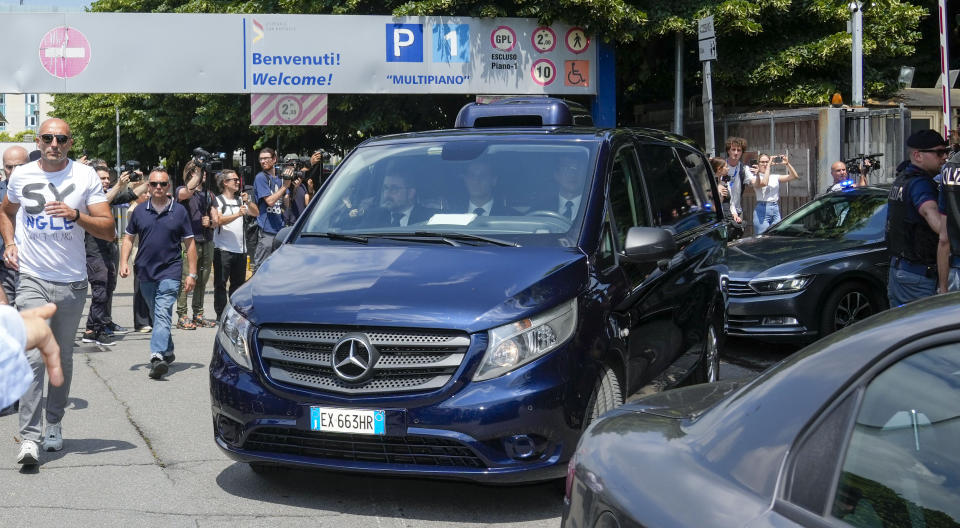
(521, 427)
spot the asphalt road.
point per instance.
(139, 452)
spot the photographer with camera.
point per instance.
(296, 201)
(102, 255)
(767, 186)
(229, 211)
(197, 199)
(271, 192)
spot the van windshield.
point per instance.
(524, 191)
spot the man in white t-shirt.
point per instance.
(49, 205)
(230, 250)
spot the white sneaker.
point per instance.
(28, 453)
(53, 440)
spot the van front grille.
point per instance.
(408, 360)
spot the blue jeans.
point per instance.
(765, 215)
(904, 286)
(953, 279)
(160, 296)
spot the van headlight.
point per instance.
(789, 284)
(233, 337)
(518, 343)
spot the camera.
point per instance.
(725, 178)
(210, 163)
(777, 159)
(131, 166)
(853, 164)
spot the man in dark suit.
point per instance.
(480, 181)
(398, 202)
(568, 196)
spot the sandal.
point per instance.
(204, 323)
(185, 324)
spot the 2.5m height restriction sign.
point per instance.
(288, 109)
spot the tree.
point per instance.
(771, 52)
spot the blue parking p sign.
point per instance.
(451, 43)
(404, 42)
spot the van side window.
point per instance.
(902, 466)
(673, 198)
(626, 195)
(701, 175)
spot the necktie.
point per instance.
(396, 217)
(479, 211)
(568, 209)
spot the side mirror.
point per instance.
(281, 237)
(649, 244)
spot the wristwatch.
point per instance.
(192, 276)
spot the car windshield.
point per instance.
(501, 190)
(853, 216)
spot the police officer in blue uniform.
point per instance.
(948, 253)
(913, 220)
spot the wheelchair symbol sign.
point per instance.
(576, 73)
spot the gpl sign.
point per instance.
(64, 52)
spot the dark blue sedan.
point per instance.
(820, 269)
(859, 429)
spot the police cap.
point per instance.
(926, 139)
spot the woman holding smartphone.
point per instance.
(767, 186)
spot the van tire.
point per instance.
(708, 369)
(606, 395)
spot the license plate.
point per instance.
(355, 421)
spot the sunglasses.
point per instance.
(937, 151)
(48, 138)
(231, 180)
(159, 184)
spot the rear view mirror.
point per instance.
(649, 244)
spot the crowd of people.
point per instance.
(59, 239)
(923, 218)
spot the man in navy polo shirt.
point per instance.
(162, 225)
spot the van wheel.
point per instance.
(708, 371)
(606, 395)
(847, 304)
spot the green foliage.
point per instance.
(771, 53)
(20, 137)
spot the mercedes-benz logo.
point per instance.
(354, 357)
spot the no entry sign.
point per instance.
(64, 52)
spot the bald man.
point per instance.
(842, 180)
(50, 204)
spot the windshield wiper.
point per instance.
(338, 236)
(468, 236)
(446, 237)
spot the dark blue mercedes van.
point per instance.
(462, 303)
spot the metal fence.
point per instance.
(877, 132)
